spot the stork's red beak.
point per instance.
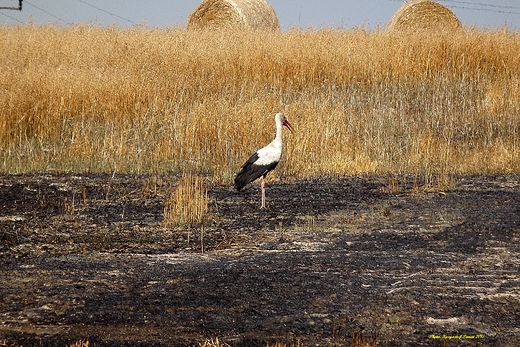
(288, 125)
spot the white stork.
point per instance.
(264, 160)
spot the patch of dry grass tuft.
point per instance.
(214, 343)
(358, 341)
(188, 203)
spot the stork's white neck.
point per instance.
(279, 132)
(273, 151)
(279, 127)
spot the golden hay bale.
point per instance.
(241, 14)
(423, 15)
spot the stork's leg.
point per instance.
(263, 193)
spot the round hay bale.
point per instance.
(423, 15)
(239, 14)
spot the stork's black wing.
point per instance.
(250, 172)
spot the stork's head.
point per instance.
(282, 119)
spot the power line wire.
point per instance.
(484, 9)
(47, 12)
(493, 8)
(470, 6)
(483, 4)
(8, 16)
(110, 13)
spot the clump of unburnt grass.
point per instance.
(359, 341)
(218, 343)
(187, 204)
(214, 343)
(298, 343)
(92, 99)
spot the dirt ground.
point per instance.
(87, 257)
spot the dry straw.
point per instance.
(188, 204)
(423, 15)
(93, 99)
(213, 343)
(240, 14)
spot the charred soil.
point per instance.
(88, 257)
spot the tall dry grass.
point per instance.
(94, 99)
(188, 203)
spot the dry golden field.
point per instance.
(142, 100)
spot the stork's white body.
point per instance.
(272, 153)
(264, 160)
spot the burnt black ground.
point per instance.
(88, 257)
